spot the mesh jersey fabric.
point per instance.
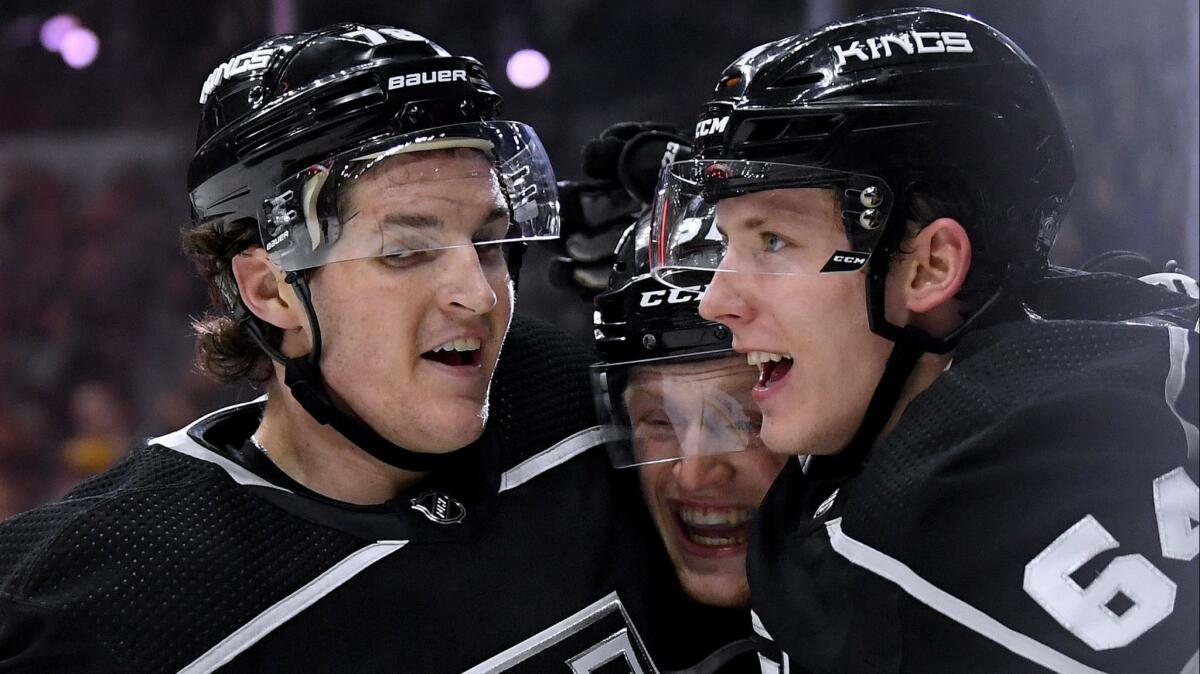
(182, 556)
(1036, 426)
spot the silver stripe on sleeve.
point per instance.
(1176, 380)
(862, 555)
(287, 608)
(563, 451)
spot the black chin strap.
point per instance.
(302, 375)
(908, 345)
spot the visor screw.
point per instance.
(649, 342)
(869, 219)
(467, 107)
(721, 332)
(870, 197)
(256, 96)
(413, 115)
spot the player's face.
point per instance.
(702, 504)
(411, 341)
(813, 399)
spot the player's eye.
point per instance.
(405, 258)
(772, 242)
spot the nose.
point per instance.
(466, 285)
(695, 473)
(723, 300)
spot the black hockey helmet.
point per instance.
(640, 318)
(898, 113)
(903, 103)
(289, 125)
(645, 326)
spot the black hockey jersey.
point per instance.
(1034, 509)
(531, 554)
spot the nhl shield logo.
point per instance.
(439, 508)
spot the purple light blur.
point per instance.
(79, 48)
(55, 29)
(528, 68)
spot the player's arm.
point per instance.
(1066, 536)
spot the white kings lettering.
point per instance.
(911, 42)
(654, 298)
(431, 77)
(241, 64)
(707, 127)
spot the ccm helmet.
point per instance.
(290, 124)
(905, 116)
(669, 386)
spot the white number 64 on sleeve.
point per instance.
(1090, 613)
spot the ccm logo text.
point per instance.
(654, 298)
(707, 127)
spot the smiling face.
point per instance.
(808, 331)
(703, 504)
(411, 340)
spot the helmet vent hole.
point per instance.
(798, 80)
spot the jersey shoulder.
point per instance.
(163, 546)
(541, 392)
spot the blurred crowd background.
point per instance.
(95, 134)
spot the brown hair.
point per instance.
(225, 350)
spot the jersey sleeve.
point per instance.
(38, 638)
(1065, 534)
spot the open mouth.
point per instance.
(772, 367)
(714, 527)
(457, 353)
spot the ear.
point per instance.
(264, 292)
(936, 268)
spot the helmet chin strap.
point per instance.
(302, 375)
(909, 343)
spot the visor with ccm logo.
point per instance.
(767, 218)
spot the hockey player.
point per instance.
(1001, 454)
(359, 214)
(678, 399)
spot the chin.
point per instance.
(717, 589)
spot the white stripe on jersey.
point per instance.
(563, 451)
(183, 443)
(767, 665)
(1176, 380)
(285, 609)
(862, 555)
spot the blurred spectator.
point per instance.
(99, 433)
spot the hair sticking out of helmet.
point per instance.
(289, 126)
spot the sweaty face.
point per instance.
(702, 504)
(807, 332)
(411, 340)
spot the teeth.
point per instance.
(760, 357)
(468, 344)
(717, 542)
(715, 517)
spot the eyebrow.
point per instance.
(749, 224)
(424, 221)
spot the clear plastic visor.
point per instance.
(476, 184)
(669, 409)
(763, 218)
